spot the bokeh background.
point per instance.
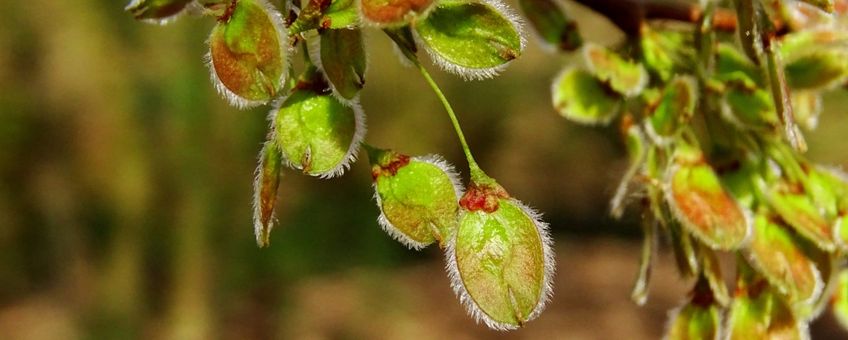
(125, 196)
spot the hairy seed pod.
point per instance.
(248, 53)
(500, 261)
(801, 213)
(393, 13)
(340, 55)
(316, 132)
(475, 40)
(674, 109)
(583, 99)
(157, 11)
(758, 312)
(698, 199)
(417, 197)
(265, 192)
(624, 77)
(699, 319)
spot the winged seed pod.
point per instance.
(340, 55)
(624, 77)
(475, 40)
(248, 53)
(500, 261)
(417, 197)
(698, 319)
(157, 11)
(316, 132)
(698, 199)
(265, 192)
(393, 13)
(581, 98)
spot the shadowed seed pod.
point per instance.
(157, 11)
(555, 30)
(624, 77)
(417, 197)
(340, 55)
(316, 132)
(248, 53)
(675, 108)
(475, 40)
(700, 318)
(581, 98)
(393, 13)
(500, 261)
(265, 192)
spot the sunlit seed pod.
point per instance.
(675, 108)
(316, 132)
(500, 261)
(417, 197)
(581, 98)
(666, 52)
(265, 188)
(553, 27)
(801, 213)
(758, 312)
(698, 319)
(393, 13)
(702, 205)
(248, 53)
(840, 299)
(625, 77)
(775, 253)
(157, 11)
(340, 55)
(475, 40)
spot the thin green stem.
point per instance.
(477, 174)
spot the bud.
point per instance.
(475, 40)
(700, 318)
(500, 261)
(340, 55)
(248, 53)
(627, 78)
(698, 199)
(581, 98)
(555, 29)
(417, 197)
(393, 13)
(157, 11)
(265, 192)
(758, 312)
(316, 132)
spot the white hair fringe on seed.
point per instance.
(393, 231)
(545, 293)
(468, 73)
(353, 150)
(313, 40)
(234, 99)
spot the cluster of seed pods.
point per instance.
(498, 251)
(713, 124)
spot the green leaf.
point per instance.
(316, 132)
(393, 13)
(775, 253)
(675, 108)
(500, 261)
(417, 197)
(265, 188)
(340, 55)
(758, 312)
(698, 199)
(800, 212)
(581, 98)
(554, 28)
(625, 77)
(248, 54)
(699, 319)
(471, 39)
(157, 11)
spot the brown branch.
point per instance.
(630, 15)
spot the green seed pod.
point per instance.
(800, 212)
(581, 98)
(821, 69)
(393, 13)
(667, 52)
(675, 108)
(808, 108)
(699, 319)
(748, 107)
(500, 261)
(340, 55)
(732, 64)
(711, 271)
(775, 254)
(265, 192)
(636, 144)
(624, 77)
(157, 11)
(840, 299)
(248, 53)
(554, 28)
(758, 312)
(316, 132)
(417, 197)
(326, 14)
(698, 199)
(475, 40)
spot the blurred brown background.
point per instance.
(125, 187)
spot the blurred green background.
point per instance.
(126, 185)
